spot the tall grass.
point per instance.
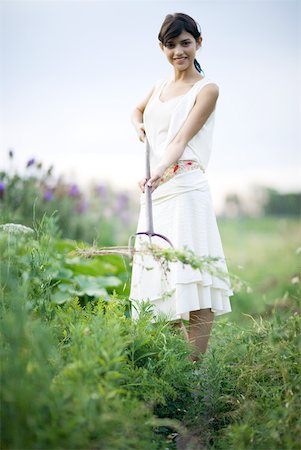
(78, 373)
(250, 384)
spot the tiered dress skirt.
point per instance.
(183, 212)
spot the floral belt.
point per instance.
(180, 166)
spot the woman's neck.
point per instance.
(184, 77)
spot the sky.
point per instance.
(72, 72)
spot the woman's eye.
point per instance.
(170, 45)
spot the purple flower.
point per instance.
(82, 207)
(2, 189)
(30, 162)
(121, 201)
(48, 195)
(101, 189)
(74, 191)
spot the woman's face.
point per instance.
(180, 51)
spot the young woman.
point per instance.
(177, 117)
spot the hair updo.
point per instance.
(173, 26)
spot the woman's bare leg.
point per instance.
(180, 325)
(200, 324)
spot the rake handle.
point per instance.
(148, 207)
(147, 190)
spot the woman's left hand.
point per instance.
(155, 178)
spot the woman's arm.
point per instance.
(203, 107)
(137, 121)
(137, 116)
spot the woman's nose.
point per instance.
(178, 49)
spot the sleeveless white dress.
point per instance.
(183, 212)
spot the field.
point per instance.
(78, 373)
(266, 253)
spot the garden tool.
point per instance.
(130, 250)
(148, 206)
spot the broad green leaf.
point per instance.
(60, 297)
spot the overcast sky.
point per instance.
(72, 71)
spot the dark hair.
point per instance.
(173, 26)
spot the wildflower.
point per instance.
(74, 191)
(48, 195)
(30, 162)
(101, 189)
(82, 207)
(121, 201)
(2, 189)
(11, 154)
(16, 228)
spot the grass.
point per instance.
(264, 253)
(79, 374)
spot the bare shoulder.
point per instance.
(207, 95)
(211, 89)
(142, 105)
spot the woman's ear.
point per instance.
(161, 45)
(199, 42)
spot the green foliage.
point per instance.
(279, 204)
(248, 392)
(263, 202)
(40, 262)
(91, 378)
(96, 213)
(77, 372)
(74, 374)
(259, 384)
(66, 389)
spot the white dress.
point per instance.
(182, 211)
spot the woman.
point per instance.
(177, 117)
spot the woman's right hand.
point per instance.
(142, 183)
(140, 131)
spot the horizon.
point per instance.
(65, 103)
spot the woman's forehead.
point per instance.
(184, 35)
